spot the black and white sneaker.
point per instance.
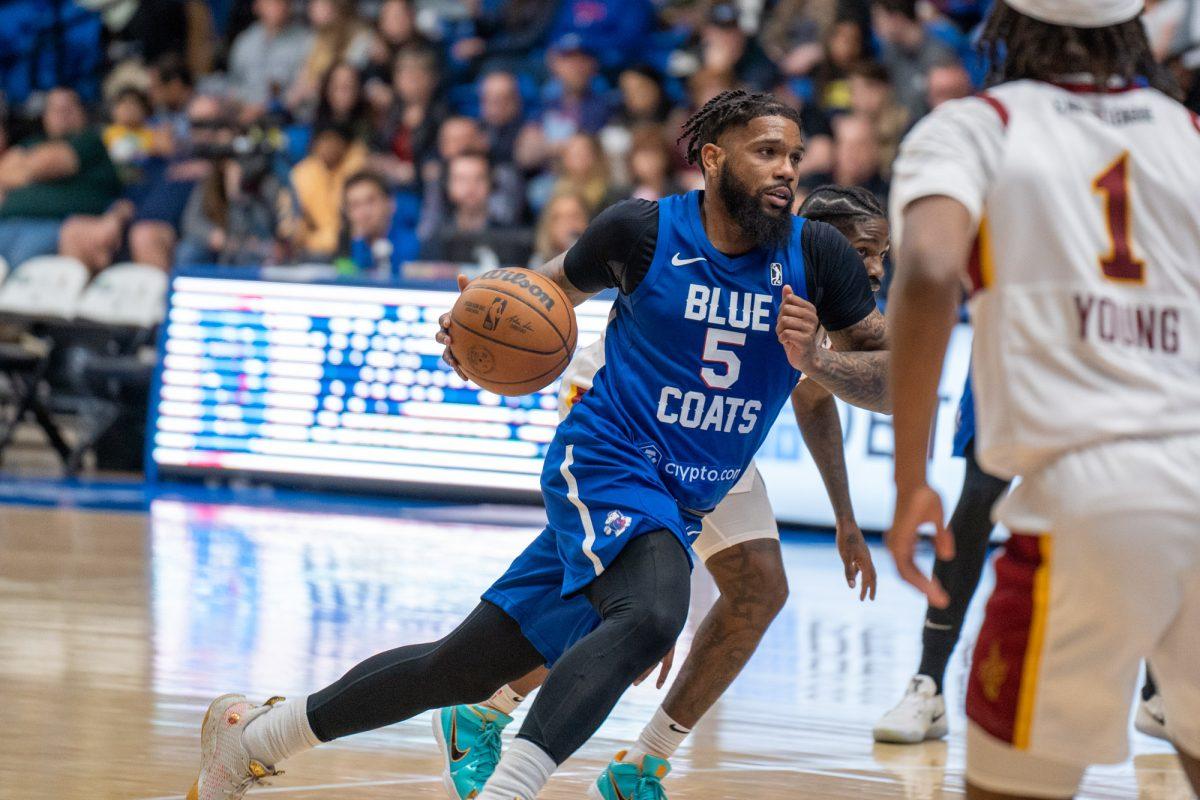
(919, 716)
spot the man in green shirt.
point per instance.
(47, 178)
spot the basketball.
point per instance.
(512, 331)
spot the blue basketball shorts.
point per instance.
(599, 496)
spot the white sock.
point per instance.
(660, 738)
(522, 772)
(505, 700)
(280, 733)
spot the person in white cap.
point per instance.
(1069, 194)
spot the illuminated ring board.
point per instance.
(336, 385)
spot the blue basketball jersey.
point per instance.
(693, 380)
(694, 373)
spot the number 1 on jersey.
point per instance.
(1113, 184)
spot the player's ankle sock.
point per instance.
(505, 700)
(280, 733)
(937, 644)
(660, 738)
(522, 772)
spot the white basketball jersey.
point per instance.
(1086, 266)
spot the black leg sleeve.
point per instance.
(478, 657)
(642, 599)
(971, 524)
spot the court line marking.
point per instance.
(254, 792)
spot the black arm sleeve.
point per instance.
(616, 249)
(837, 280)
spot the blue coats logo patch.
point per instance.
(616, 523)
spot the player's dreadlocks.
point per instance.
(728, 109)
(1020, 47)
(828, 203)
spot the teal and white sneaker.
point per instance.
(624, 781)
(469, 737)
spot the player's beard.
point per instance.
(767, 229)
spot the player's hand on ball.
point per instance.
(916, 506)
(443, 334)
(856, 558)
(667, 661)
(798, 330)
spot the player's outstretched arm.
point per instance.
(555, 269)
(817, 416)
(924, 308)
(856, 370)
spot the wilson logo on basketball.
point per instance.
(494, 313)
(522, 280)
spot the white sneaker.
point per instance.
(226, 769)
(1150, 718)
(920, 715)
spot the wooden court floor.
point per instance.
(117, 629)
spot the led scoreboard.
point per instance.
(343, 386)
(337, 384)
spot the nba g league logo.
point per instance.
(776, 273)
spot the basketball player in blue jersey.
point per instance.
(739, 541)
(702, 354)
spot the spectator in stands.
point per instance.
(231, 218)
(340, 35)
(562, 222)
(376, 242)
(395, 29)
(857, 156)
(468, 186)
(505, 36)
(460, 136)
(410, 129)
(46, 179)
(171, 88)
(154, 219)
(617, 33)
(650, 165)
(947, 81)
(129, 137)
(872, 97)
(157, 226)
(907, 50)
(267, 56)
(501, 112)
(844, 48)
(643, 99)
(573, 104)
(793, 33)
(311, 218)
(343, 102)
(583, 169)
(725, 48)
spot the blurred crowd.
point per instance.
(375, 133)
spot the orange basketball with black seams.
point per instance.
(512, 331)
